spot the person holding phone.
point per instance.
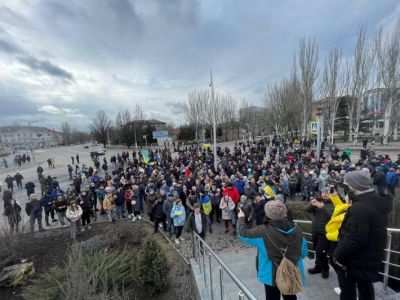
(321, 212)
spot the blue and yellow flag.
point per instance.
(145, 155)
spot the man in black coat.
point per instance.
(30, 188)
(197, 221)
(362, 238)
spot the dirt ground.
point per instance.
(48, 249)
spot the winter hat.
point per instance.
(243, 198)
(196, 205)
(359, 180)
(275, 210)
(108, 189)
(326, 190)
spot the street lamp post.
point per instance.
(318, 114)
(214, 123)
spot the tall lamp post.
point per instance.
(318, 114)
(214, 123)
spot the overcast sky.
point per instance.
(64, 60)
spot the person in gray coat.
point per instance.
(167, 208)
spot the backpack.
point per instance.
(288, 275)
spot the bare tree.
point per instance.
(138, 114)
(100, 126)
(331, 84)
(308, 63)
(67, 133)
(197, 111)
(124, 128)
(363, 58)
(388, 62)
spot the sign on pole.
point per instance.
(314, 127)
(160, 134)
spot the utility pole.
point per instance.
(214, 122)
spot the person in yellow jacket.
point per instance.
(333, 226)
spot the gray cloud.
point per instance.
(128, 52)
(46, 67)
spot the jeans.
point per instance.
(32, 223)
(111, 215)
(349, 287)
(61, 216)
(170, 225)
(208, 218)
(75, 228)
(120, 211)
(273, 293)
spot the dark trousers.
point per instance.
(273, 293)
(46, 215)
(216, 211)
(178, 231)
(129, 207)
(350, 286)
(85, 217)
(158, 221)
(321, 247)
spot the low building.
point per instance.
(29, 137)
(154, 124)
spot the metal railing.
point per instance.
(388, 252)
(202, 253)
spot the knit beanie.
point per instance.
(359, 180)
(275, 210)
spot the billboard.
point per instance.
(160, 134)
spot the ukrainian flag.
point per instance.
(145, 155)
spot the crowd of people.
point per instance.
(248, 192)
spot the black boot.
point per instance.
(325, 274)
(315, 270)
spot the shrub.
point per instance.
(84, 276)
(152, 266)
(92, 245)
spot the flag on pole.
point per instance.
(145, 155)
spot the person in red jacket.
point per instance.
(233, 193)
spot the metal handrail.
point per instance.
(388, 250)
(243, 288)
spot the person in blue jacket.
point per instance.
(178, 214)
(279, 231)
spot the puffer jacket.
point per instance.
(74, 214)
(34, 209)
(109, 202)
(334, 224)
(320, 217)
(178, 214)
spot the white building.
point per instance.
(29, 137)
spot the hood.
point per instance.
(285, 231)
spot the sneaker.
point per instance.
(42, 229)
(314, 270)
(182, 239)
(160, 225)
(89, 227)
(54, 220)
(139, 217)
(337, 290)
(134, 219)
(226, 230)
(83, 230)
(325, 274)
(130, 216)
(177, 241)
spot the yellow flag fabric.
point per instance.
(269, 191)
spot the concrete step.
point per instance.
(242, 264)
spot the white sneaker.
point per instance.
(160, 225)
(134, 219)
(89, 227)
(177, 241)
(181, 238)
(139, 217)
(337, 290)
(83, 229)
